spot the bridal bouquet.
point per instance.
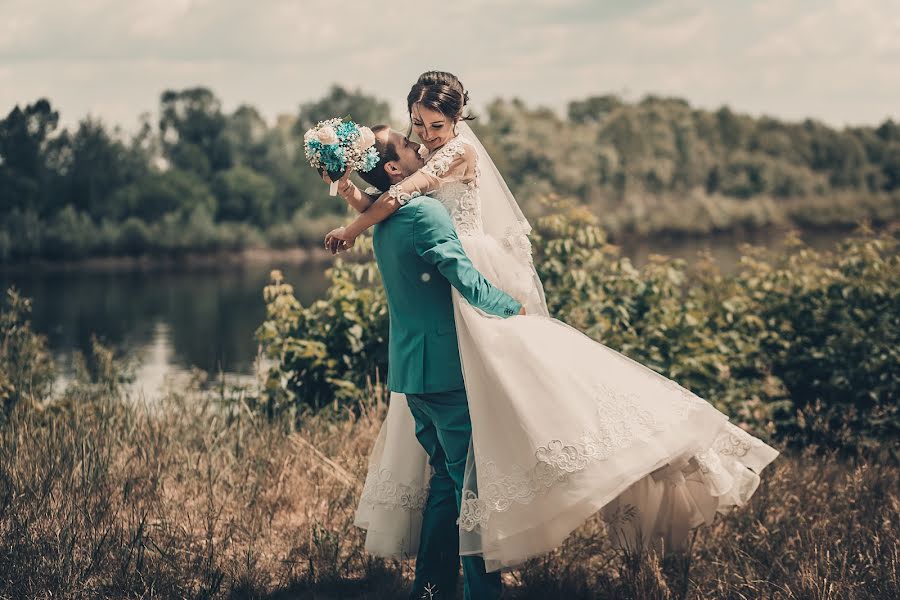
(336, 145)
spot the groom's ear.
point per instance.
(392, 168)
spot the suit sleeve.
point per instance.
(437, 243)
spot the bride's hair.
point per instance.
(440, 91)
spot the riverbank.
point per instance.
(191, 260)
(638, 246)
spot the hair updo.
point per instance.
(440, 91)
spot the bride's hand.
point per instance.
(345, 186)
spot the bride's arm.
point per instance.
(355, 197)
(417, 184)
(422, 182)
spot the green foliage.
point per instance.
(244, 194)
(340, 102)
(304, 228)
(650, 167)
(25, 152)
(70, 234)
(26, 367)
(95, 166)
(656, 315)
(333, 350)
(158, 194)
(804, 346)
(192, 129)
(809, 340)
(834, 337)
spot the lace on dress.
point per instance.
(451, 176)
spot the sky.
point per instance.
(833, 60)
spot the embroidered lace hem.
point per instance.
(380, 490)
(623, 424)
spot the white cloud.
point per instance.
(830, 59)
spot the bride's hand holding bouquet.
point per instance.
(337, 146)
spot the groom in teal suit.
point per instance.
(420, 258)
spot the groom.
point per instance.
(420, 257)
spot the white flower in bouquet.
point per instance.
(366, 138)
(327, 135)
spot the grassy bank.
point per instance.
(251, 492)
(198, 497)
(190, 260)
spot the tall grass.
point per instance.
(104, 496)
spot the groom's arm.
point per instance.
(436, 242)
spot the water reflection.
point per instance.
(725, 249)
(167, 320)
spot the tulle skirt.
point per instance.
(562, 427)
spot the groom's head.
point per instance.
(399, 158)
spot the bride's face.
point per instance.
(433, 127)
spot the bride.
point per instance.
(562, 426)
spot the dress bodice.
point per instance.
(450, 175)
(459, 197)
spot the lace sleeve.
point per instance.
(454, 162)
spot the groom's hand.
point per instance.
(522, 310)
(337, 241)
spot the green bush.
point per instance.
(330, 352)
(134, 236)
(833, 335)
(26, 367)
(803, 346)
(69, 235)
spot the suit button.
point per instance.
(426, 277)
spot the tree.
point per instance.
(243, 194)
(157, 194)
(249, 138)
(24, 137)
(891, 167)
(340, 102)
(192, 128)
(595, 108)
(731, 130)
(97, 166)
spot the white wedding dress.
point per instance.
(562, 426)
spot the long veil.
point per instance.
(503, 219)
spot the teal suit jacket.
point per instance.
(420, 257)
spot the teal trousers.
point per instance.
(444, 429)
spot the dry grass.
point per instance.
(200, 498)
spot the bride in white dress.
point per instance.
(562, 426)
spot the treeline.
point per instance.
(197, 180)
(661, 166)
(200, 179)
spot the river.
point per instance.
(168, 321)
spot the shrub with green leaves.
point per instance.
(803, 346)
(26, 367)
(331, 351)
